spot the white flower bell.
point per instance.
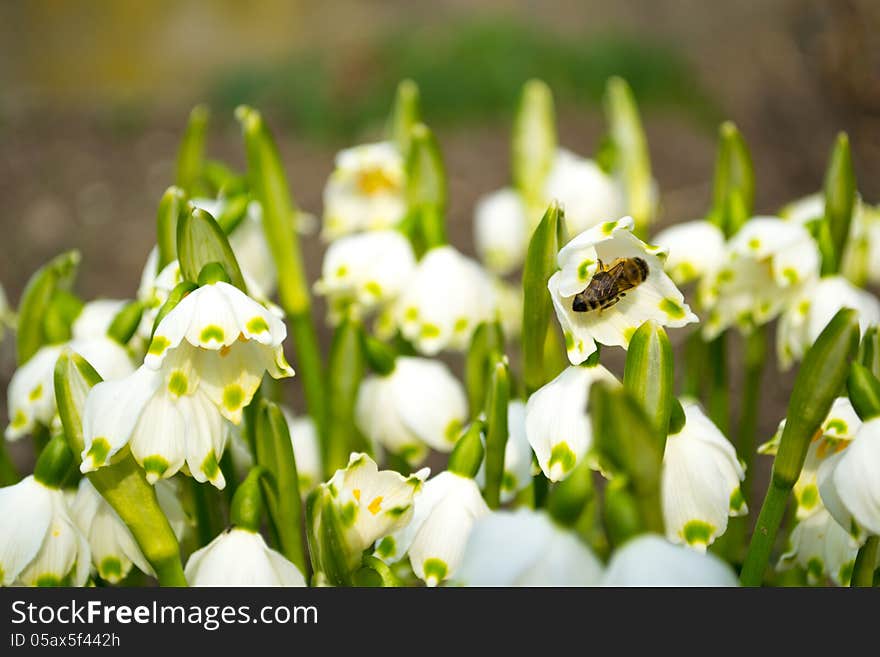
(364, 272)
(695, 248)
(40, 545)
(517, 455)
(95, 318)
(445, 510)
(649, 560)
(655, 297)
(588, 194)
(221, 341)
(557, 425)
(114, 550)
(822, 548)
(810, 312)
(700, 481)
(420, 404)
(447, 297)
(525, 547)
(501, 230)
(366, 191)
(765, 266)
(240, 557)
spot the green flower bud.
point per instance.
(487, 343)
(534, 140)
(648, 375)
(840, 197)
(379, 356)
(404, 115)
(62, 312)
(733, 193)
(467, 455)
(55, 463)
(426, 185)
(191, 153)
(864, 392)
(497, 434)
(201, 241)
(126, 322)
(172, 205)
(568, 498)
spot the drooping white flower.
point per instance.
(805, 209)
(95, 318)
(372, 503)
(222, 342)
(525, 547)
(695, 248)
(700, 481)
(445, 510)
(501, 230)
(517, 454)
(113, 548)
(849, 482)
(40, 545)
(557, 425)
(306, 451)
(420, 404)
(365, 271)
(240, 557)
(31, 396)
(764, 267)
(810, 312)
(366, 190)
(822, 548)
(588, 195)
(656, 297)
(650, 560)
(165, 420)
(446, 298)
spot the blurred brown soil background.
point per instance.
(95, 96)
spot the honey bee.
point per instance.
(609, 284)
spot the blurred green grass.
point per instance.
(467, 71)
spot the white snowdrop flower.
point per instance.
(764, 267)
(95, 318)
(501, 230)
(650, 560)
(822, 548)
(225, 341)
(815, 306)
(517, 455)
(805, 209)
(114, 550)
(446, 298)
(849, 482)
(588, 194)
(240, 557)
(365, 271)
(557, 424)
(837, 431)
(420, 404)
(700, 481)
(445, 510)
(165, 421)
(509, 299)
(695, 248)
(366, 191)
(525, 547)
(40, 545)
(31, 395)
(589, 256)
(372, 503)
(306, 451)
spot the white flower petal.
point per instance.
(501, 230)
(695, 248)
(25, 514)
(650, 560)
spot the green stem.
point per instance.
(866, 560)
(8, 473)
(764, 536)
(756, 356)
(497, 434)
(206, 507)
(694, 365)
(346, 366)
(309, 367)
(719, 404)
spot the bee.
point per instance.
(609, 284)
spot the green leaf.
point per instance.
(126, 322)
(864, 392)
(487, 344)
(201, 241)
(497, 433)
(733, 192)
(540, 264)
(58, 274)
(632, 158)
(404, 115)
(467, 455)
(53, 466)
(426, 185)
(869, 350)
(346, 367)
(568, 498)
(533, 147)
(191, 154)
(649, 376)
(62, 312)
(172, 205)
(840, 196)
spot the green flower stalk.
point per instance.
(345, 371)
(626, 440)
(649, 376)
(631, 155)
(246, 510)
(539, 266)
(269, 185)
(405, 114)
(56, 275)
(171, 207)
(123, 483)
(202, 243)
(426, 187)
(497, 433)
(534, 141)
(487, 344)
(191, 153)
(822, 375)
(275, 453)
(840, 202)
